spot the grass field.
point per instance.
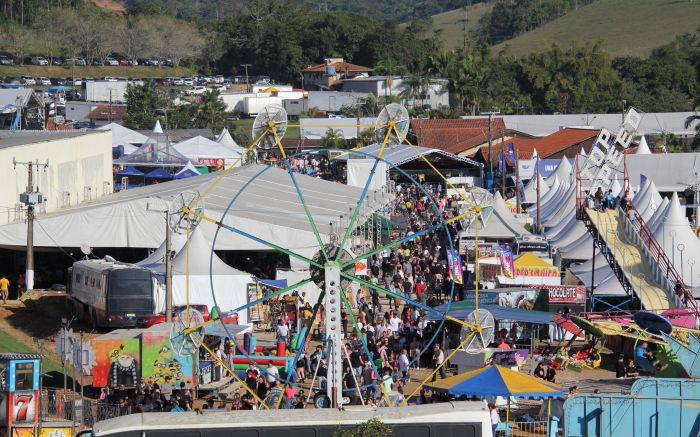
(95, 72)
(449, 26)
(626, 27)
(8, 343)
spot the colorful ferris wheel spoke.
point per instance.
(306, 210)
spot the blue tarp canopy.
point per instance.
(129, 171)
(186, 174)
(159, 173)
(460, 310)
(55, 89)
(275, 283)
(218, 329)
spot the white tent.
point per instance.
(501, 224)
(563, 172)
(197, 271)
(188, 170)
(552, 206)
(547, 197)
(679, 242)
(648, 200)
(359, 170)
(643, 148)
(124, 136)
(225, 139)
(206, 151)
(530, 191)
(658, 217)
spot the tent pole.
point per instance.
(549, 413)
(508, 417)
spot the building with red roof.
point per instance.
(323, 76)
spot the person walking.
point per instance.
(4, 288)
(438, 359)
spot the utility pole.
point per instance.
(109, 117)
(539, 218)
(30, 198)
(247, 86)
(505, 166)
(490, 115)
(168, 264)
(165, 111)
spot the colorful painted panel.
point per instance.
(45, 432)
(160, 360)
(117, 361)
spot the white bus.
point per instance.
(449, 419)
(110, 294)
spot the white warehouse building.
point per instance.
(80, 169)
(382, 86)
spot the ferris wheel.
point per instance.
(332, 262)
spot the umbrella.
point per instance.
(587, 326)
(495, 380)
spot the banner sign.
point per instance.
(507, 264)
(361, 267)
(567, 294)
(455, 266)
(548, 272)
(212, 162)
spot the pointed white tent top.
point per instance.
(500, 224)
(157, 129)
(200, 249)
(616, 188)
(189, 167)
(547, 197)
(583, 152)
(534, 154)
(199, 147)
(643, 148)
(564, 170)
(226, 139)
(123, 135)
(674, 234)
(155, 259)
(648, 201)
(530, 190)
(658, 217)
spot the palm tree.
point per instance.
(689, 121)
(211, 111)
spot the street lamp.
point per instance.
(681, 248)
(691, 262)
(673, 244)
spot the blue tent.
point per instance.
(186, 174)
(55, 89)
(159, 173)
(129, 171)
(460, 310)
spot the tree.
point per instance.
(695, 118)
(333, 139)
(211, 111)
(16, 39)
(142, 103)
(372, 428)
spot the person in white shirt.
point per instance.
(438, 359)
(394, 323)
(271, 373)
(282, 332)
(495, 419)
(403, 367)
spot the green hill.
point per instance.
(449, 26)
(626, 27)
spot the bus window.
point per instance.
(454, 430)
(288, 432)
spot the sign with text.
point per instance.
(567, 294)
(212, 162)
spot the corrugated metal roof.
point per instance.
(400, 154)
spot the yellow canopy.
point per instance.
(529, 259)
(271, 90)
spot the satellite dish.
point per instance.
(86, 249)
(273, 116)
(184, 343)
(397, 114)
(480, 339)
(178, 219)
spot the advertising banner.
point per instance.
(567, 294)
(506, 256)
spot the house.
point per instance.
(436, 96)
(20, 109)
(323, 76)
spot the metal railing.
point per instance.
(80, 412)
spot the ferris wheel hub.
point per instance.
(318, 274)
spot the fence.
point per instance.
(536, 428)
(80, 412)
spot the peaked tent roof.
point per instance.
(200, 257)
(159, 173)
(155, 151)
(500, 225)
(123, 135)
(226, 139)
(643, 148)
(530, 191)
(673, 231)
(200, 147)
(187, 171)
(130, 171)
(496, 380)
(649, 200)
(547, 197)
(563, 171)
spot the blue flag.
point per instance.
(511, 152)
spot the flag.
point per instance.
(455, 266)
(642, 179)
(507, 265)
(501, 163)
(16, 122)
(521, 191)
(511, 152)
(361, 267)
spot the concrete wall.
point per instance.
(74, 163)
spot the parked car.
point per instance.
(57, 61)
(43, 81)
(178, 81)
(166, 62)
(27, 80)
(123, 61)
(188, 81)
(79, 61)
(6, 60)
(219, 78)
(38, 60)
(96, 61)
(12, 79)
(111, 62)
(154, 319)
(57, 81)
(196, 90)
(110, 79)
